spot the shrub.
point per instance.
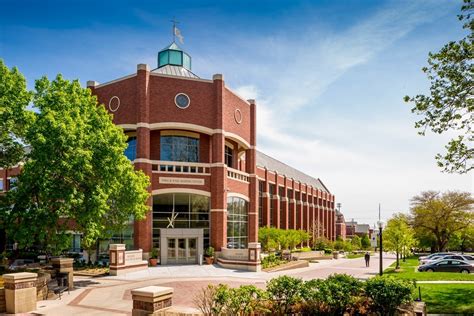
(285, 291)
(210, 252)
(271, 261)
(246, 300)
(338, 292)
(387, 293)
(328, 251)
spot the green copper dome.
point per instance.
(174, 55)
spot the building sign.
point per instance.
(186, 181)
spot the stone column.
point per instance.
(254, 256)
(117, 258)
(20, 292)
(64, 265)
(151, 300)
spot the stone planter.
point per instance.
(153, 262)
(209, 260)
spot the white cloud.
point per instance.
(363, 162)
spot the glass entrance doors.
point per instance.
(182, 250)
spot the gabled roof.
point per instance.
(272, 164)
(177, 71)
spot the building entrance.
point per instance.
(182, 251)
(181, 245)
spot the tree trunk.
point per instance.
(398, 261)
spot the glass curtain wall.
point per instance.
(190, 211)
(237, 223)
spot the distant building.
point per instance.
(353, 229)
(340, 225)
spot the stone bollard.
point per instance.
(20, 292)
(151, 300)
(64, 265)
(117, 258)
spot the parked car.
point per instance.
(445, 265)
(436, 254)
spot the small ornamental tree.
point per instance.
(356, 242)
(76, 175)
(365, 242)
(398, 236)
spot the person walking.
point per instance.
(367, 259)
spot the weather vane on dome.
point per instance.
(177, 32)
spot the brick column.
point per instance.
(299, 210)
(20, 292)
(142, 236)
(64, 265)
(251, 168)
(151, 300)
(218, 174)
(276, 203)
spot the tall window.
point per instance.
(228, 156)
(131, 150)
(1, 185)
(260, 203)
(179, 148)
(289, 194)
(272, 204)
(281, 192)
(237, 222)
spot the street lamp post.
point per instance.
(380, 247)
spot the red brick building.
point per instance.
(196, 140)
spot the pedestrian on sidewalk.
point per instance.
(367, 259)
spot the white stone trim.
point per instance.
(116, 80)
(181, 190)
(239, 195)
(178, 77)
(192, 127)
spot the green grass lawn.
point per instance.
(409, 271)
(448, 298)
(439, 298)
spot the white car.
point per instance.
(437, 254)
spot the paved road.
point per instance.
(111, 295)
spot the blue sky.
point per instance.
(328, 76)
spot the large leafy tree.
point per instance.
(442, 215)
(398, 236)
(14, 116)
(450, 105)
(76, 176)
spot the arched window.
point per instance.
(237, 223)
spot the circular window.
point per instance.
(181, 100)
(114, 103)
(238, 116)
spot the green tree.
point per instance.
(14, 116)
(356, 242)
(442, 215)
(76, 175)
(450, 105)
(365, 242)
(398, 236)
(269, 238)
